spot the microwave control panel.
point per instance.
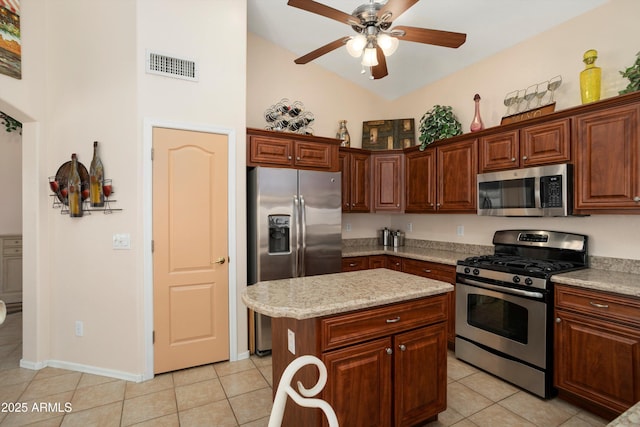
(551, 191)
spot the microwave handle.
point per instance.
(538, 192)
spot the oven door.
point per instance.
(511, 324)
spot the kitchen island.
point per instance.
(380, 333)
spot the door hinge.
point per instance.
(152, 246)
(153, 337)
(152, 154)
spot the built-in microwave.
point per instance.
(537, 191)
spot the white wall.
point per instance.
(11, 179)
(83, 80)
(558, 51)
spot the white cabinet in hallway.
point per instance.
(11, 269)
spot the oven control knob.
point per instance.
(528, 281)
(467, 270)
(516, 279)
(476, 271)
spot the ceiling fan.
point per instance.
(375, 40)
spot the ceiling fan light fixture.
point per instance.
(356, 44)
(370, 57)
(387, 43)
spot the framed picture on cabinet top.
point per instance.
(388, 134)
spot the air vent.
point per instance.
(169, 66)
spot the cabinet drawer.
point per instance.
(431, 270)
(609, 306)
(12, 251)
(346, 329)
(394, 263)
(355, 263)
(11, 242)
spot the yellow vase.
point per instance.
(590, 78)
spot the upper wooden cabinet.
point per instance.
(289, 150)
(607, 160)
(355, 165)
(541, 144)
(388, 181)
(442, 178)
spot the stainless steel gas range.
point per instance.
(504, 304)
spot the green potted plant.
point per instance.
(633, 74)
(438, 123)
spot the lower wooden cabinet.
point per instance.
(355, 263)
(597, 350)
(378, 261)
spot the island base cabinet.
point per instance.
(386, 366)
(597, 363)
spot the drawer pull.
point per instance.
(402, 347)
(426, 270)
(352, 264)
(389, 350)
(394, 320)
(595, 304)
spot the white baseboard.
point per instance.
(82, 368)
(243, 355)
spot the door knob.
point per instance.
(220, 260)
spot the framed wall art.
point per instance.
(10, 45)
(388, 134)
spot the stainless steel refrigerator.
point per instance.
(294, 229)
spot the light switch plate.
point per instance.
(291, 341)
(122, 241)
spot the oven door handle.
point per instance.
(504, 289)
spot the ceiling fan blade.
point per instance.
(396, 7)
(321, 9)
(322, 50)
(435, 37)
(379, 71)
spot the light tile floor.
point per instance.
(233, 394)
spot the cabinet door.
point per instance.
(457, 166)
(359, 384)
(270, 151)
(545, 143)
(499, 152)
(420, 181)
(420, 372)
(607, 161)
(387, 173)
(355, 263)
(313, 155)
(360, 182)
(597, 360)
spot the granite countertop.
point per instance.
(316, 296)
(424, 254)
(602, 280)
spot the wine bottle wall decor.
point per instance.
(78, 192)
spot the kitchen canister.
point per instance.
(397, 238)
(384, 237)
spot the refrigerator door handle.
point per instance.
(303, 226)
(296, 215)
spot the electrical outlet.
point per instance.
(410, 227)
(291, 341)
(347, 227)
(79, 328)
(460, 230)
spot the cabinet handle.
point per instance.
(389, 350)
(397, 264)
(394, 320)
(636, 199)
(426, 270)
(437, 204)
(524, 157)
(402, 347)
(513, 159)
(558, 320)
(595, 304)
(352, 264)
(289, 157)
(297, 158)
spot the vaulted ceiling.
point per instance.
(491, 26)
